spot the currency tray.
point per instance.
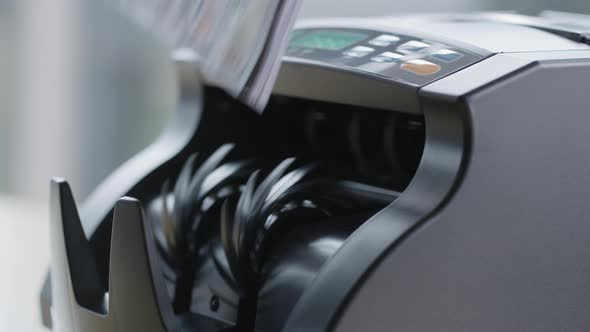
(226, 219)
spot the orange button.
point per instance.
(421, 67)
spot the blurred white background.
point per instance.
(81, 90)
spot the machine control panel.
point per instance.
(399, 57)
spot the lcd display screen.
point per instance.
(327, 39)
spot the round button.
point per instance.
(421, 67)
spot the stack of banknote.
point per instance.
(238, 43)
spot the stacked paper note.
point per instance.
(239, 43)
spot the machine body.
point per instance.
(459, 148)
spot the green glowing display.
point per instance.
(326, 39)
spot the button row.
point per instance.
(442, 55)
(408, 48)
(417, 66)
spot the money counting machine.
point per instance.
(412, 173)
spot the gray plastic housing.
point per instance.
(491, 234)
(508, 249)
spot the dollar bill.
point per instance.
(239, 43)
